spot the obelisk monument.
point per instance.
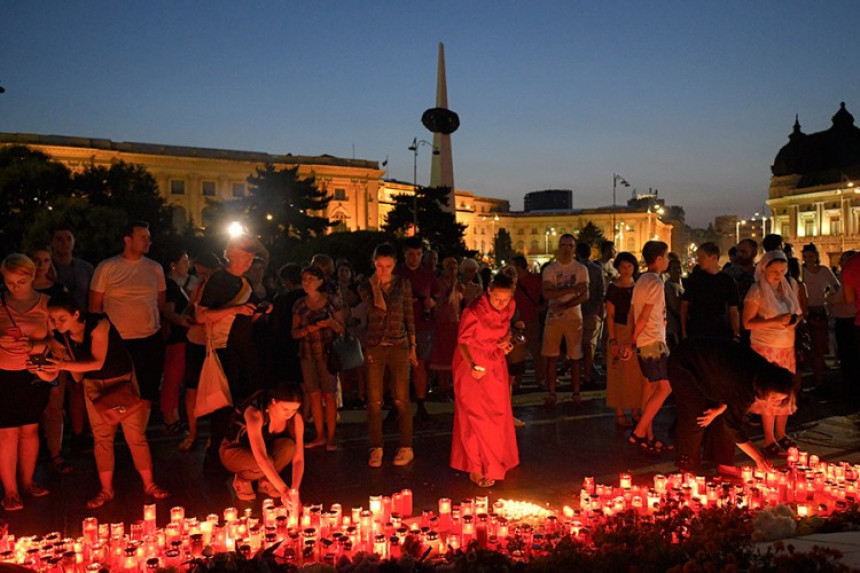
(442, 166)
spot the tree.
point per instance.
(29, 183)
(127, 187)
(439, 227)
(503, 248)
(281, 205)
(591, 235)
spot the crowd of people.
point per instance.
(101, 346)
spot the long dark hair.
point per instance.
(67, 302)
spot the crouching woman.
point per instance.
(95, 355)
(265, 435)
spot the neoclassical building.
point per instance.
(188, 176)
(814, 193)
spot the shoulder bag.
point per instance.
(213, 391)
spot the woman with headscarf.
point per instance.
(771, 313)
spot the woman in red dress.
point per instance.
(484, 442)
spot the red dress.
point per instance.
(484, 438)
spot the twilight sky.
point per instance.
(691, 98)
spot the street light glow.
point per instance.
(235, 229)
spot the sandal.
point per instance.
(36, 490)
(785, 443)
(12, 502)
(61, 466)
(177, 428)
(622, 422)
(640, 442)
(660, 448)
(481, 481)
(315, 443)
(156, 491)
(772, 450)
(187, 443)
(102, 497)
(331, 447)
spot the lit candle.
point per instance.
(149, 518)
(625, 480)
(376, 507)
(407, 509)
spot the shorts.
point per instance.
(654, 361)
(591, 330)
(424, 345)
(316, 376)
(568, 327)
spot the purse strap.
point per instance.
(6, 308)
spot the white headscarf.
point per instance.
(771, 297)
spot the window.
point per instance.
(835, 225)
(483, 231)
(521, 231)
(340, 225)
(177, 187)
(534, 230)
(809, 227)
(238, 189)
(208, 188)
(340, 194)
(533, 248)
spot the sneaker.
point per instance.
(519, 423)
(375, 458)
(403, 456)
(266, 487)
(244, 489)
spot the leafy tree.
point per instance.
(503, 248)
(437, 226)
(29, 183)
(127, 187)
(97, 228)
(591, 235)
(281, 205)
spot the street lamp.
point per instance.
(616, 179)
(494, 218)
(658, 211)
(550, 231)
(738, 224)
(416, 143)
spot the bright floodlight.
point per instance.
(235, 229)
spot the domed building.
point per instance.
(814, 193)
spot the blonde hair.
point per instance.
(18, 263)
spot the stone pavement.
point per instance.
(558, 448)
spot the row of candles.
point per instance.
(313, 534)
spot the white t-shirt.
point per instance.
(564, 276)
(130, 291)
(650, 289)
(817, 282)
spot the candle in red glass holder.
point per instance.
(376, 507)
(386, 509)
(625, 480)
(91, 530)
(588, 484)
(397, 503)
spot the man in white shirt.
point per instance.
(565, 287)
(130, 289)
(649, 337)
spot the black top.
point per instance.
(117, 360)
(709, 296)
(724, 372)
(237, 433)
(621, 298)
(222, 289)
(53, 290)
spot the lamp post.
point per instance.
(416, 143)
(494, 218)
(738, 224)
(549, 231)
(657, 211)
(616, 179)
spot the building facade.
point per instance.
(814, 193)
(360, 198)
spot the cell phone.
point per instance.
(14, 332)
(40, 359)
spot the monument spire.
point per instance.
(442, 166)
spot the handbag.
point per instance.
(344, 353)
(213, 391)
(114, 398)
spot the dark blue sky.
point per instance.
(692, 98)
